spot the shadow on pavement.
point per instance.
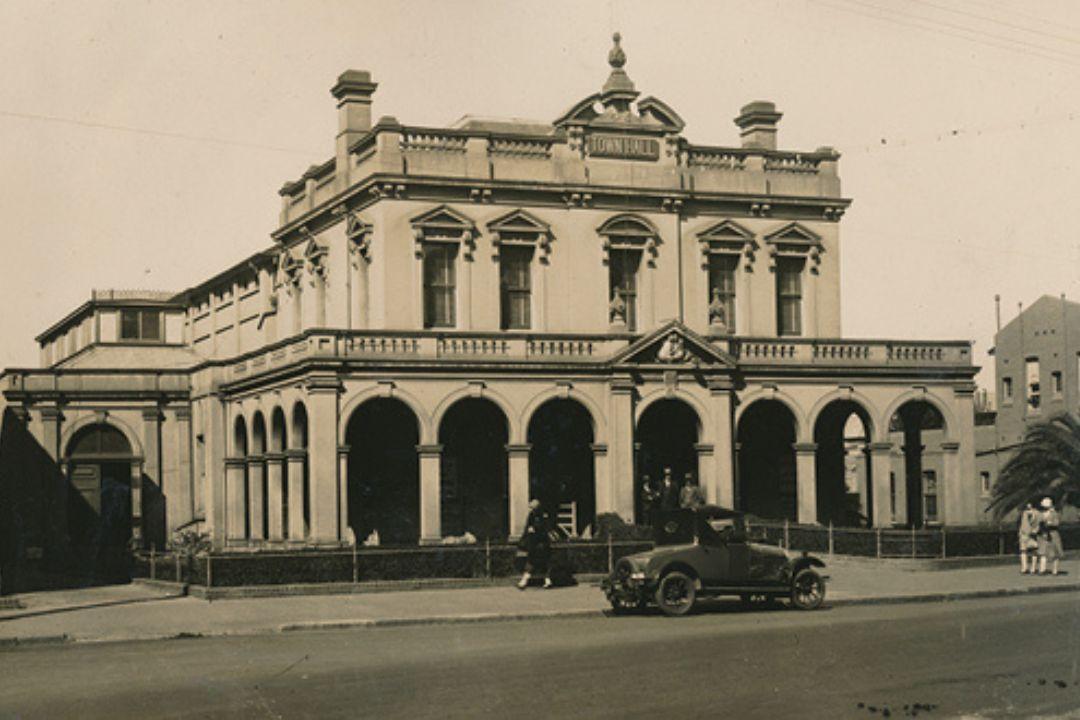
(85, 606)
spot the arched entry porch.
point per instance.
(474, 493)
(918, 429)
(561, 465)
(843, 472)
(766, 461)
(666, 439)
(103, 506)
(383, 472)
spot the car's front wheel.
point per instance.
(676, 593)
(807, 590)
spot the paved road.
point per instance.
(993, 658)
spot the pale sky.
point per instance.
(143, 143)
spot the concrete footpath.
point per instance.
(145, 612)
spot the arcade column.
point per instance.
(806, 482)
(322, 401)
(430, 488)
(622, 447)
(880, 469)
(519, 487)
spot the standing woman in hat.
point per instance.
(1049, 537)
(1027, 539)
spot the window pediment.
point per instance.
(358, 234)
(630, 232)
(444, 224)
(727, 237)
(315, 254)
(794, 240)
(521, 228)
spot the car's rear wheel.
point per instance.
(676, 593)
(807, 590)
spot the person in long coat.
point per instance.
(1050, 547)
(669, 492)
(1027, 540)
(537, 545)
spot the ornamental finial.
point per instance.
(616, 58)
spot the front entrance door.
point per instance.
(99, 516)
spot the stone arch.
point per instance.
(705, 425)
(854, 396)
(239, 441)
(423, 417)
(599, 422)
(843, 472)
(801, 432)
(513, 419)
(474, 433)
(382, 474)
(73, 428)
(278, 432)
(298, 426)
(561, 436)
(766, 433)
(258, 434)
(947, 414)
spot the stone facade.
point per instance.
(453, 320)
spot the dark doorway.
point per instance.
(914, 424)
(842, 465)
(666, 435)
(561, 471)
(474, 489)
(766, 457)
(384, 475)
(99, 503)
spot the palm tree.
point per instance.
(1047, 463)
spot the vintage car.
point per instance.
(706, 552)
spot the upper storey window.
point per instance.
(143, 325)
(623, 271)
(627, 240)
(518, 238)
(440, 285)
(515, 270)
(443, 236)
(789, 272)
(722, 247)
(794, 250)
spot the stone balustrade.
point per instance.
(885, 353)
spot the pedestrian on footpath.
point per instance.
(537, 546)
(1027, 539)
(1049, 537)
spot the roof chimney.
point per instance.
(757, 124)
(353, 91)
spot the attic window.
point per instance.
(140, 325)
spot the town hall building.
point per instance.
(452, 321)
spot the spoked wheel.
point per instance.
(807, 590)
(676, 594)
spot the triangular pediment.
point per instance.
(675, 345)
(520, 221)
(443, 217)
(726, 231)
(794, 234)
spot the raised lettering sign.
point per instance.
(621, 146)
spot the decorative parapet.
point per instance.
(862, 353)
